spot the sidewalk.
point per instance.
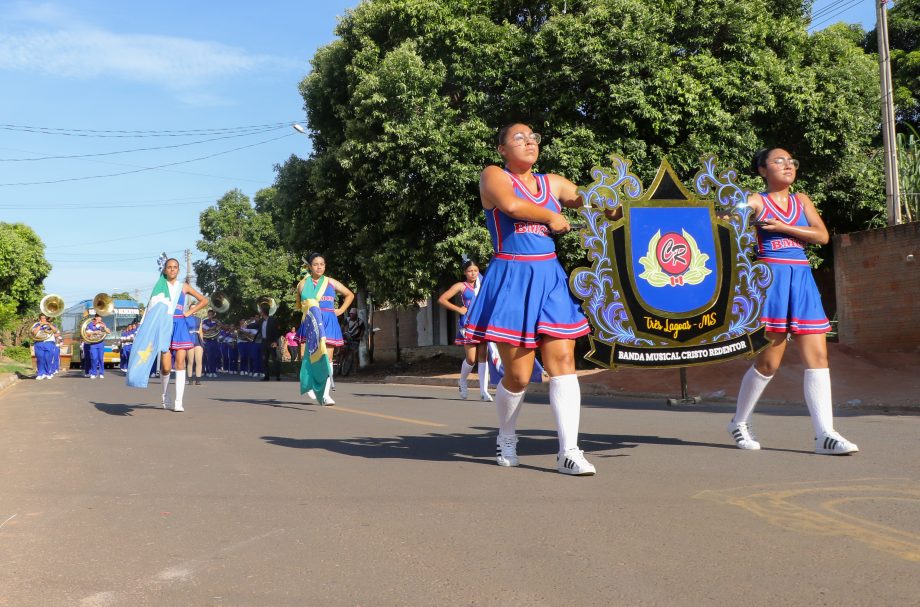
(860, 381)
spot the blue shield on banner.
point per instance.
(315, 367)
(673, 257)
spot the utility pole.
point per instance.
(892, 195)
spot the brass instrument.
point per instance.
(212, 332)
(267, 301)
(41, 331)
(219, 302)
(245, 336)
(90, 337)
(51, 305)
(103, 304)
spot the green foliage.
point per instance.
(23, 269)
(20, 354)
(404, 105)
(904, 45)
(909, 171)
(245, 258)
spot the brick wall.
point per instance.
(877, 274)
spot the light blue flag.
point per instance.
(153, 336)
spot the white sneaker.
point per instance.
(831, 443)
(311, 395)
(165, 404)
(743, 436)
(328, 402)
(178, 406)
(573, 462)
(92, 377)
(506, 450)
(485, 396)
(464, 391)
(40, 377)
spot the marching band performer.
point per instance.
(97, 350)
(181, 341)
(523, 211)
(324, 290)
(211, 345)
(45, 335)
(475, 353)
(196, 354)
(785, 222)
(127, 343)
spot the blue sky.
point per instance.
(68, 69)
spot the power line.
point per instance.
(131, 237)
(153, 168)
(136, 134)
(844, 5)
(162, 147)
(81, 207)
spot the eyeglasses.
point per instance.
(785, 162)
(522, 139)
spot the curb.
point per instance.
(599, 390)
(7, 380)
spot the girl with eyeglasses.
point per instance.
(785, 223)
(475, 352)
(524, 301)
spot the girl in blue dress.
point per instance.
(310, 287)
(524, 302)
(475, 353)
(786, 222)
(182, 340)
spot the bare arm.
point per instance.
(448, 295)
(496, 192)
(346, 293)
(815, 232)
(202, 300)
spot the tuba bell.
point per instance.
(219, 302)
(91, 337)
(51, 305)
(267, 301)
(103, 304)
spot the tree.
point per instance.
(23, 269)
(245, 258)
(403, 108)
(904, 44)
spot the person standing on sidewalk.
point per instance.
(475, 352)
(524, 302)
(785, 223)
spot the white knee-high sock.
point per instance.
(818, 399)
(465, 369)
(565, 401)
(483, 371)
(752, 386)
(508, 405)
(180, 385)
(164, 379)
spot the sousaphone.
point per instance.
(267, 301)
(52, 305)
(219, 302)
(90, 337)
(103, 304)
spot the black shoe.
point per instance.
(278, 378)
(264, 378)
(198, 381)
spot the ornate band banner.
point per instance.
(672, 281)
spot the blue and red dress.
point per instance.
(525, 294)
(181, 338)
(467, 295)
(793, 303)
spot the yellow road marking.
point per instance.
(408, 420)
(777, 505)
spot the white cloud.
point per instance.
(66, 48)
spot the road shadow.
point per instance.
(122, 410)
(399, 396)
(476, 448)
(270, 402)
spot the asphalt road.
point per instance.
(254, 498)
